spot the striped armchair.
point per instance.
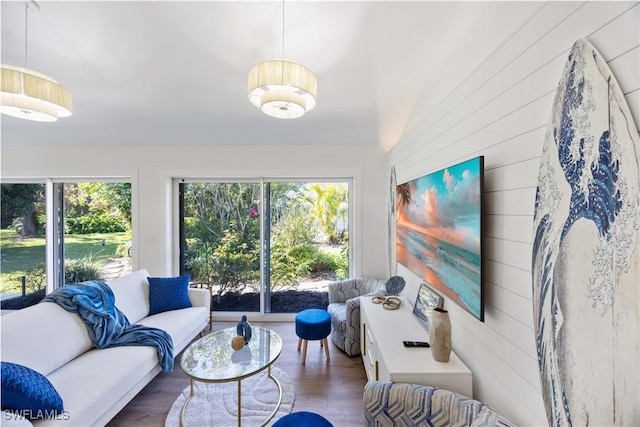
(344, 307)
(389, 404)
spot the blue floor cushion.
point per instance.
(303, 419)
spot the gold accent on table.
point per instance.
(237, 342)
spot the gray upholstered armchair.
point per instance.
(412, 405)
(344, 307)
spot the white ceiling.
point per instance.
(175, 72)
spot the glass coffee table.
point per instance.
(212, 360)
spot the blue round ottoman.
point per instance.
(311, 325)
(303, 418)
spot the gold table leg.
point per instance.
(275, 411)
(186, 402)
(239, 402)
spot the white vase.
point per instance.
(440, 335)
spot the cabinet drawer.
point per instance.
(368, 336)
(371, 375)
(370, 345)
(369, 359)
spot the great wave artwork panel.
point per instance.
(439, 229)
(586, 250)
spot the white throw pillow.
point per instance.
(132, 295)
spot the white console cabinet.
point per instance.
(386, 359)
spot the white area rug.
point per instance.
(217, 404)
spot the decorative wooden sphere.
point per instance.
(237, 342)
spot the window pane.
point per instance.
(22, 265)
(97, 230)
(308, 234)
(222, 242)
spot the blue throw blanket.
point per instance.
(108, 327)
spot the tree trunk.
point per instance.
(29, 224)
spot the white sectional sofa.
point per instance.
(95, 384)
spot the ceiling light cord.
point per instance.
(26, 37)
(26, 28)
(283, 29)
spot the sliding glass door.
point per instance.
(264, 246)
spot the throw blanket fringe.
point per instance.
(94, 302)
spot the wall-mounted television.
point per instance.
(439, 231)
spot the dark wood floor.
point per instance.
(333, 390)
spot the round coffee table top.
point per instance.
(211, 358)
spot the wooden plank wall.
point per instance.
(501, 111)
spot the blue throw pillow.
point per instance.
(168, 293)
(27, 391)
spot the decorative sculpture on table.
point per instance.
(244, 329)
(586, 250)
(388, 303)
(394, 286)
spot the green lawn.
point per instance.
(21, 255)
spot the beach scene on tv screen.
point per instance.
(438, 226)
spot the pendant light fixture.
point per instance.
(30, 95)
(282, 88)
